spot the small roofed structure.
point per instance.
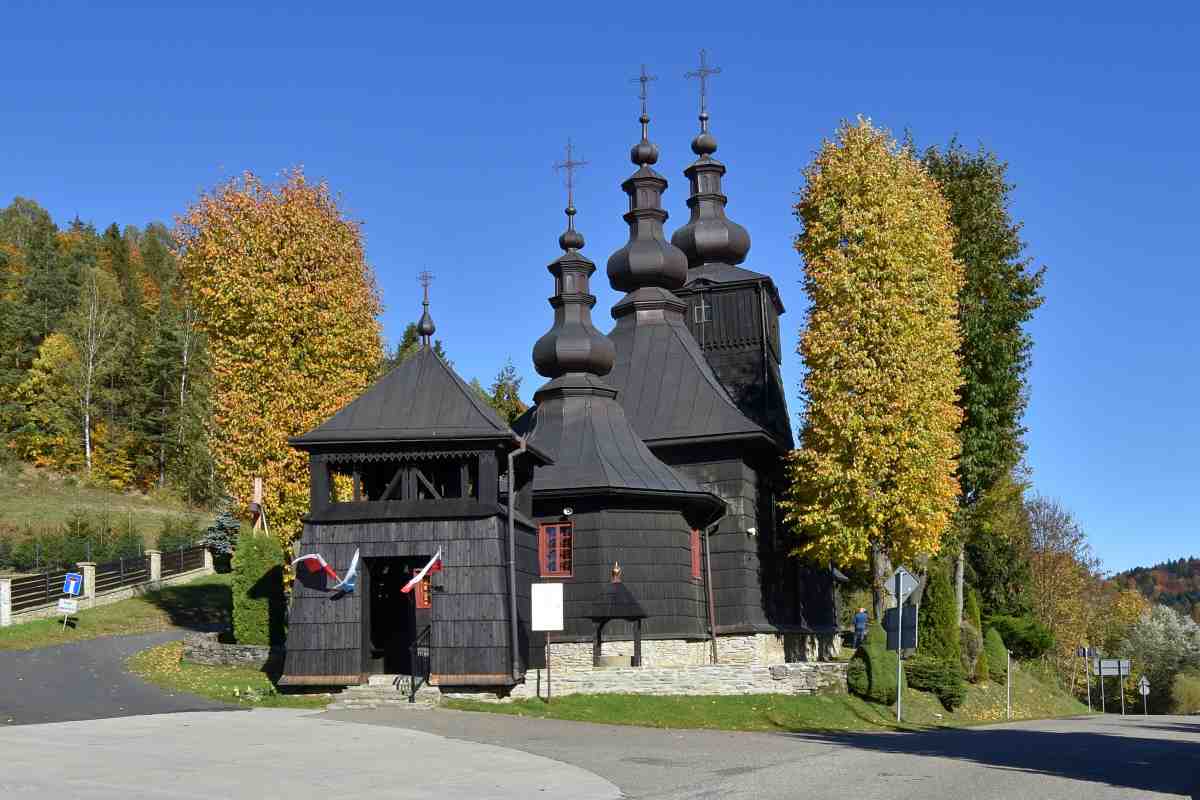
(410, 469)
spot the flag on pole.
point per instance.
(347, 583)
(314, 563)
(435, 565)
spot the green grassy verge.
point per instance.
(40, 499)
(203, 602)
(236, 685)
(985, 703)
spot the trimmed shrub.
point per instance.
(1185, 693)
(971, 609)
(971, 643)
(939, 676)
(258, 603)
(938, 622)
(996, 655)
(872, 670)
(1026, 637)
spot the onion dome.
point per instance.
(425, 326)
(648, 259)
(572, 344)
(709, 236)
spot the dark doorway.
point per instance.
(394, 619)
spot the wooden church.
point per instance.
(644, 479)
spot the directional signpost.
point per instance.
(900, 586)
(1112, 667)
(1144, 689)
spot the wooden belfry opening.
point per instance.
(617, 603)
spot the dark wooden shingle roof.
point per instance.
(421, 400)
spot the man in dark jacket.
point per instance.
(860, 627)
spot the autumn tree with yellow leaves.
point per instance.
(875, 470)
(289, 308)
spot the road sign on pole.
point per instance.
(73, 583)
(901, 585)
(1144, 689)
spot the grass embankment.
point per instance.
(36, 499)
(239, 685)
(202, 603)
(985, 703)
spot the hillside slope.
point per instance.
(1175, 584)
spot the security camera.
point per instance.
(568, 511)
(752, 531)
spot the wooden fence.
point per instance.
(32, 591)
(182, 560)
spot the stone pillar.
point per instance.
(5, 602)
(208, 562)
(88, 568)
(155, 565)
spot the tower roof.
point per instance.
(421, 400)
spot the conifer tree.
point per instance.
(875, 471)
(505, 395)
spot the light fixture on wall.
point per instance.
(752, 531)
(568, 511)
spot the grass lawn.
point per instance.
(31, 497)
(203, 602)
(239, 685)
(985, 703)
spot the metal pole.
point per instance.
(1145, 713)
(547, 667)
(899, 645)
(1103, 702)
(1121, 683)
(1008, 681)
(1087, 675)
(708, 589)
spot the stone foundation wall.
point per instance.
(204, 648)
(758, 649)
(721, 679)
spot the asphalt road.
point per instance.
(1084, 758)
(85, 680)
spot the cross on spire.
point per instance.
(425, 277)
(703, 72)
(644, 79)
(569, 166)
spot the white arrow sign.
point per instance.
(1144, 686)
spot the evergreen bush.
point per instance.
(996, 655)
(258, 602)
(971, 609)
(941, 677)
(1024, 636)
(221, 537)
(971, 644)
(872, 670)
(938, 626)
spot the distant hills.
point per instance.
(1172, 583)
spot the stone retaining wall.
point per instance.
(722, 679)
(760, 649)
(205, 648)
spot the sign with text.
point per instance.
(68, 606)
(73, 583)
(547, 607)
(1112, 667)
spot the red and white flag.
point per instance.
(314, 563)
(435, 565)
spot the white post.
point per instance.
(209, 569)
(899, 646)
(155, 566)
(88, 568)
(1008, 681)
(5, 602)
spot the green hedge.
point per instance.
(971, 643)
(1027, 638)
(942, 677)
(259, 610)
(996, 655)
(872, 670)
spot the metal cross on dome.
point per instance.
(425, 277)
(703, 72)
(644, 79)
(569, 166)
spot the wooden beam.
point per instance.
(395, 482)
(421, 477)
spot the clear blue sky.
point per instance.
(439, 128)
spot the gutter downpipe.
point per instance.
(512, 561)
(712, 610)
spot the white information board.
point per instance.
(68, 606)
(547, 607)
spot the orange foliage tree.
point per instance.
(290, 310)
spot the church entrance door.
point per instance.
(394, 619)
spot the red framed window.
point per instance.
(554, 549)
(421, 592)
(695, 554)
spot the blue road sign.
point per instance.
(73, 583)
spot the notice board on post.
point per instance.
(547, 607)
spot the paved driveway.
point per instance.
(1083, 759)
(85, 680)
(272, 753)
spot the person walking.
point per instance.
(860, 627)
